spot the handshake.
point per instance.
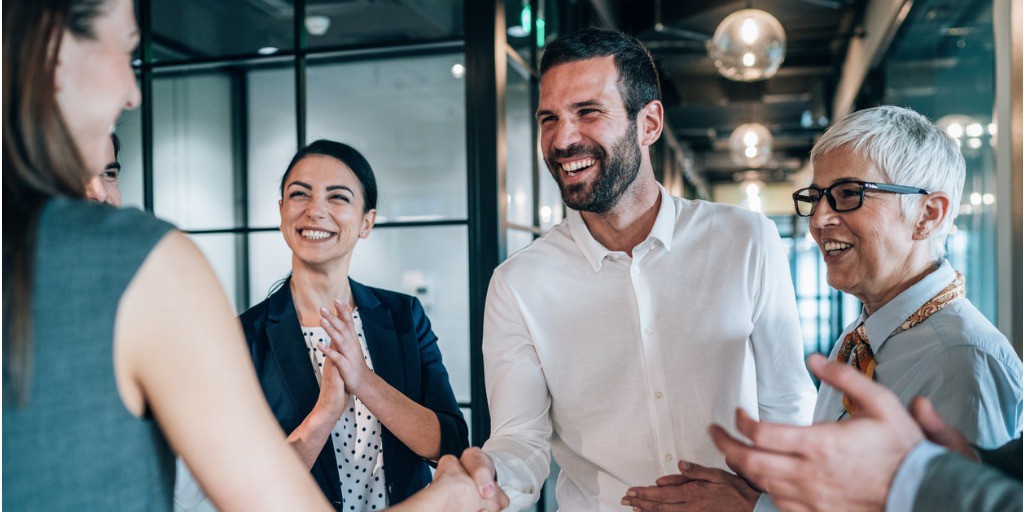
(462, 484)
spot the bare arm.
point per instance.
(179, 352)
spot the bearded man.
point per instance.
(617, 338)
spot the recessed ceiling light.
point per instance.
(267, 50)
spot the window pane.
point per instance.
(129, 132)
(552, 209)
(331, 24)
(270, 260)
(517, 239)
(193, 29)
(192, 158)
(942, 65)
(407, 117)
(430, 263)
(271, 140)
(220, 252)
(519, 122)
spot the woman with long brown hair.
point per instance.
(119, 344)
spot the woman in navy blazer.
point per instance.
(329, 393)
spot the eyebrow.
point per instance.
(113, 165)
(837, 180)
(307, 186)
(575, 106)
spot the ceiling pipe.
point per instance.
(882, 19)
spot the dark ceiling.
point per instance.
(703, 108)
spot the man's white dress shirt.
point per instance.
(617, 365)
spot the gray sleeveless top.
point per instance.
(75, 446)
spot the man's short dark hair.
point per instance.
(638, 78)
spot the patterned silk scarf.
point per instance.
(856, 342)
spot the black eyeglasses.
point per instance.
(844, 196)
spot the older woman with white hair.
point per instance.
(885, 191)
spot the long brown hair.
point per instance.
(41, 159)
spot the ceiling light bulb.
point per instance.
(750, 138)
(748, 45)
(750, 145)
(749, 31)
(317, 24)
(974, 130)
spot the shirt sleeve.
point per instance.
(187, 493)
(909, 475)
(765, 504)
(785, 393)
(975, 393)
(517, 395)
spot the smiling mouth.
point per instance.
(835, 248)
(571, 168)
(315, 234)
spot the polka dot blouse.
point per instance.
(356, 437)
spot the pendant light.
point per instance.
(748, 45)
(750, 145)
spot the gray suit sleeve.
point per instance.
(953, 483)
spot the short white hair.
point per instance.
(909, 150)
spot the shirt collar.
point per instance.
(662, 230)
(888, 317)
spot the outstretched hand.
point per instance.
(461, 492)
(836, 466)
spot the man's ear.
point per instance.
(650, 121)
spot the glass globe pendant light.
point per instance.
(750, 145)
(749, 45)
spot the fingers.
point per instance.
(654, 497)
(870, 398)
(771, 436)
(480, 467)
(695, 471)
(937, 430)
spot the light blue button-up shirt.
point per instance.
(955, 357)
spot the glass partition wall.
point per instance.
(232, 89)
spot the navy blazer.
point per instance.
(405, 354)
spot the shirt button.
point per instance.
(648, 331)
(636, 270)
(657, 394)
(668, 457)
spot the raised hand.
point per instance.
(345, 351)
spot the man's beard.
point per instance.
(617, 173)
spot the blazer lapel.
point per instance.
(289, 348)
(286, 342)
(381, 338)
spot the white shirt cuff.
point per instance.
(909, 475)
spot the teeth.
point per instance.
(313, 234)
(572, 167)
(836, 246)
